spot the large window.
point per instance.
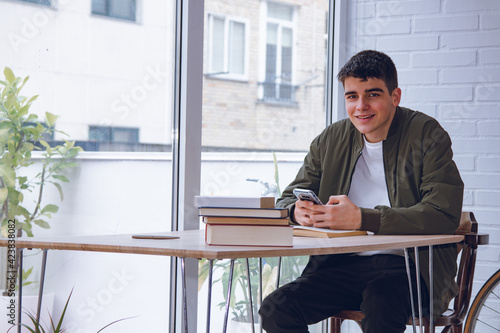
(111, 83)
(255, 132)
(227, 47)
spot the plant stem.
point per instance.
(40, 193)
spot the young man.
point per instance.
(387, 170)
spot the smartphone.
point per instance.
(307, 195)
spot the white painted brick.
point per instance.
(459, 128)
(488, 164)
(468, 198)
(451, 23)
(365, 10)
(384, 26)
(454, 6)
(481, 75)
(474, 39)
(440, 94)
(464, 163)
(418, 77)
(470, 111)
(476, 146)
(428, 109)
(489, 56)
(487, 217)
(490, 21)
(398, 8)
(478, 181)
(442, 59)
(489, 128)
(401, 60)
(488, 198)
(488, 93)
(414, 43)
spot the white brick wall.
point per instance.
(449, 67)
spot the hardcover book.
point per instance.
(233, 202)
(249, 235)
(278, 213)
(244, 220)
(303, 231)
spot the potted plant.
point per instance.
(21, 134)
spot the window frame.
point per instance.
(225, 74)
(292, 25)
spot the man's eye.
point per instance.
(374, 95)
(350, 96)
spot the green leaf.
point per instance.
(61, 178)
(50, 209)
(51, 119)
(42, 224)
(59, 189)
(4, 192)
(9, 74)
(8, 175)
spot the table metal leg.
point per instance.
(260, 291)
(209, 305)
(279, 273)
(42, 282)
(431, 289)
(408, 273)
(229, 290)
(419, 295)
(20, 293)
(250, 295)
(184, 292)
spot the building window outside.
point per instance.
(227, 47)
(278, 85)
(120, 9)
(39, 2)
(113, 134)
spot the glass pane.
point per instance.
(97, 75)
(247, 123)
(237, 48)
(217, 56)
(124, 9)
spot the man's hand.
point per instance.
(338, 213)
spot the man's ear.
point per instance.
(396, 96)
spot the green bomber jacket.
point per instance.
(424, 185)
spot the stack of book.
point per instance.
(244, 221)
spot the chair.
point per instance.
(453, 318)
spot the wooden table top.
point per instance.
(191, 244)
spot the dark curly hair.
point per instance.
(371, 64)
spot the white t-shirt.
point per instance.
(368, 187)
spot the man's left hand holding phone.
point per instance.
(305, 206)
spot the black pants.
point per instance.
(377, 285)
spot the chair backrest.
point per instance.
(465, 276)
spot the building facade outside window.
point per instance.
(227, 45)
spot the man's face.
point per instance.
(370, 106)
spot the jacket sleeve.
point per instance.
(308, 177)
(440, 192)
